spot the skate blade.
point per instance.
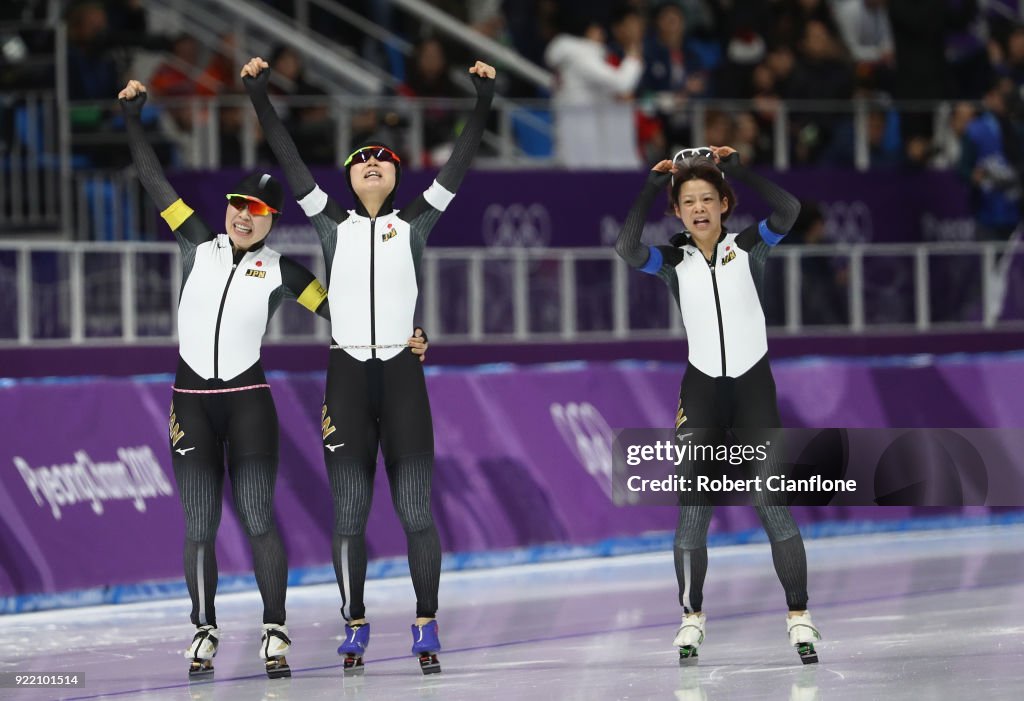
(200, 671)
(354, 666)
(808, 655)
(429, 664)
(277, 668)
(687, 656)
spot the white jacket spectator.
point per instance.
(865, 28)
(594, 121)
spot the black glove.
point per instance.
(260, 82)
(484, 86)
(656, 177)
(729, 162)
(133, 107)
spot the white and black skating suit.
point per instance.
(376, 393)
(728, 384)
(228, 297)
(221, 402)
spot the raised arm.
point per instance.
(188, 229)
(785, 207)
(649, 259)
(425, 209)
(313, 200)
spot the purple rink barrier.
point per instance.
(87, 496)
(124, 360)
(556, 208)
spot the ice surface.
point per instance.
(936, 615)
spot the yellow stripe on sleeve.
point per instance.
(313, 296)
(176, 214)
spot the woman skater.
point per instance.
(376, 394)
(222, 407)
(715, 277)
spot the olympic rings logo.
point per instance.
(589, 437)
(848, 222)
(517, 226)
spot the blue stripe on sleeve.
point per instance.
(767, 235)
(654, 261)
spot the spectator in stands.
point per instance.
(791, 18)
(1009, 62)
(673, 73)
(919, 31)
(669, 65)
(375, 123)
(309, 120)
(990, 157)
(740, 26)
(867, 33)
(823, 73)
(823, 280)
(718, 127)
(766, 97)
(220, 73)
(92, 72)
(754, 146)
(126, 16)
(918, 153)
(177, 75)
(532, 24)
(702, 31)
(486, 17)
(427, 76)
(885, 149)
(93, 69)
(948, 147)
(628, 25)
(593, 107)
(289, 73)
(744, 51)
(232, 129)
(176, 78)
(865, 29)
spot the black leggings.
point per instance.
(371, 403)
(202, 427)
(709, 408)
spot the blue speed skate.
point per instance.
(357, 638)
(426, 645)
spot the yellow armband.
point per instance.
(313, 296)
(176, 214)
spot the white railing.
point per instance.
(196, 124)
(35, 151)
(200, 130)
(101, 293)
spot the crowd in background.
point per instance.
(628, 74)
(645, 60)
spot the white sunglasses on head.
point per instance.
(695, 153)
